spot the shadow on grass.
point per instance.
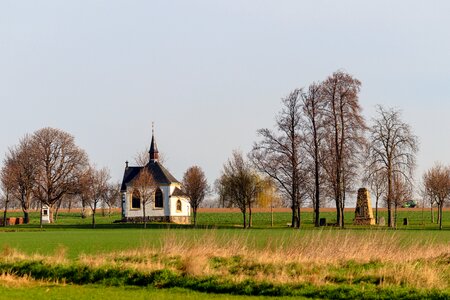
(150, 226)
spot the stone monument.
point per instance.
(363, 211)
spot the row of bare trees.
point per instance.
(321, 148)
(47, 166)
(436, 187)
(313, 152)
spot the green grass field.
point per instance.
(100, 292)
(209, 253)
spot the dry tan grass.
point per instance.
(13, 281)
(317, 258)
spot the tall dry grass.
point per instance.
(321, 257)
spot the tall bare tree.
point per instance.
(7, 184)
(345, 139)
(437, 185)
(313, 127)
(23, 173)
(239, 185)
(392, 151)
(112, 196)
(278, 154)
(97, 188)
(144, 186)
(59, 161)
(196, 188)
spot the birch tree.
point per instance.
(392, 151)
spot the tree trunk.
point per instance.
(341, 213)
(25, 207)
(194, 212)
(83, 209)
(338, 211)
(271, 215)
(245, 216)
(376, 210)
(6, 209)
(317, 191)
(250, 216)
(432, 213)
(145, 219)
(389, 199)
(94, 209)
(26, 217)
(440, 214)
(395, 216)
(50, 211)
(58, 205)
(40, 216)
(299, 216)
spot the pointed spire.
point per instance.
(154, 154)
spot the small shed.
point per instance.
(45, 214)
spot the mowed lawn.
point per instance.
(73, 235)
(100, 292)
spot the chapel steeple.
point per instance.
(154, 154)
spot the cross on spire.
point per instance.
(154, 154)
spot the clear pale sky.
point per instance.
(210, 73)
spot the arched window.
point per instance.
(178, 206)
(135, 200)
(159, 199)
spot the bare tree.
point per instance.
(401, 191)
(239, 185)
(81, 189)
(22, 169)
(97, 188)
(377, 183)
(313, 127)
(196, 188)
(58, 161)
(144, 186)
(7, 185)
(392, 151)
(345, 139)
(112, 197)
(437, 186)
(278, 154)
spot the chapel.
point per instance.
(170, 204)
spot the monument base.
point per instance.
(364, 221)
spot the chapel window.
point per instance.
(178, 206)
(159, 199)
(135, 200)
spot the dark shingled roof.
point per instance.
(178, 193)
(161, 175)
